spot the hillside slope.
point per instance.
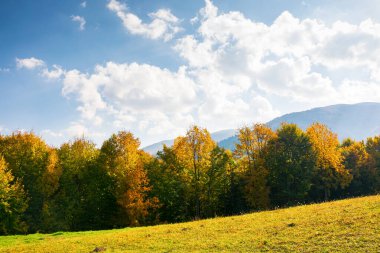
(342, 226)
(357, 121)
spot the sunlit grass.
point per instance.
(351, 225)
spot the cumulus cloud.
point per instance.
(29, 63)
(236, 71)
(130, 94)
(290, 58)
(83, 4)
(80, 20)
(164, 24)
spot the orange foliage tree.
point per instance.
(124, 162)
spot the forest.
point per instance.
(79, 186)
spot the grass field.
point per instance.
(351, 225)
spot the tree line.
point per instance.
(81, 187)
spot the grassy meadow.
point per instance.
(351, 225)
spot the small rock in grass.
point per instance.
(99, 249)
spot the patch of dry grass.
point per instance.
(351, 225)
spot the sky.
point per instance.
(91, 68)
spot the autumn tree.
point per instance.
(250, 152)
(13, 202)
(194, 152)
(291, 163)
(34, 165)
(373, 149)
(217, 183)
(81, 202)
(123, 161)
(362, 168)
(330, 172)
(170, 185)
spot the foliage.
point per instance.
(34, 165)
(291, 163)
(123, 162)
(373, 149)
(251, 152)
(194, 153)
(13, 202)
(81, 187)
(167, 177)
(330, 172)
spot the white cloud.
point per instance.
(55, 73)
(83, 4)
(80, 20)
(77, 130)
(29, 63)
(291, 58)
(164, 24)
(236, 71)
(130, 93)
(86, 91)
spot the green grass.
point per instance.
(351, 225)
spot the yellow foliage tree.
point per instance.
(250, 150)
(124, 163)
(194, 152)
(12, 202)
(34, 164)
(330, 172)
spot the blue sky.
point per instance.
(72, 68)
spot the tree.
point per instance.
(217, 183)
(194, 152)
(373, 149)
(123, 162)
(330, 172)
(362, 168)
(81, 201)
(169, 184)
(291, 163)
(35, 165)
(251, 151)
(13, 202)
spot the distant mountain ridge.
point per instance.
(216, 136)
(357, 121)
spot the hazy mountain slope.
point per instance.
(357, 121)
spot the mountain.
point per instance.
(216, 136)
(357, 121)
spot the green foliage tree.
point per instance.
(360, 165)
(13, 202)
(168, 179)
(291, 163)
(82, 188)
(217, 183)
